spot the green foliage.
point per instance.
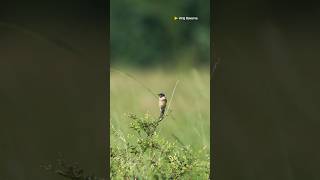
(144, 33)
(146, 155)
(69, 170)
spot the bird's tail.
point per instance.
(162, 110)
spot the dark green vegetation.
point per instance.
(143, 33)
(69, 170)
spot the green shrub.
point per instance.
(146, 155)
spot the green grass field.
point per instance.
(189, 120)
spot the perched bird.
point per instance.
(162, 104)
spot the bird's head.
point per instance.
(161, 95)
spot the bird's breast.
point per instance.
(162, 103)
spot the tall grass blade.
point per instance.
(135, 79)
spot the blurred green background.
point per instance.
(143, 33)
(150, 46)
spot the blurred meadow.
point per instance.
(190, 116)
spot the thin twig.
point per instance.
(174, 89)
(132, 77)
(168, 109)
(176, 137)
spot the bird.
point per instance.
(162, 104)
